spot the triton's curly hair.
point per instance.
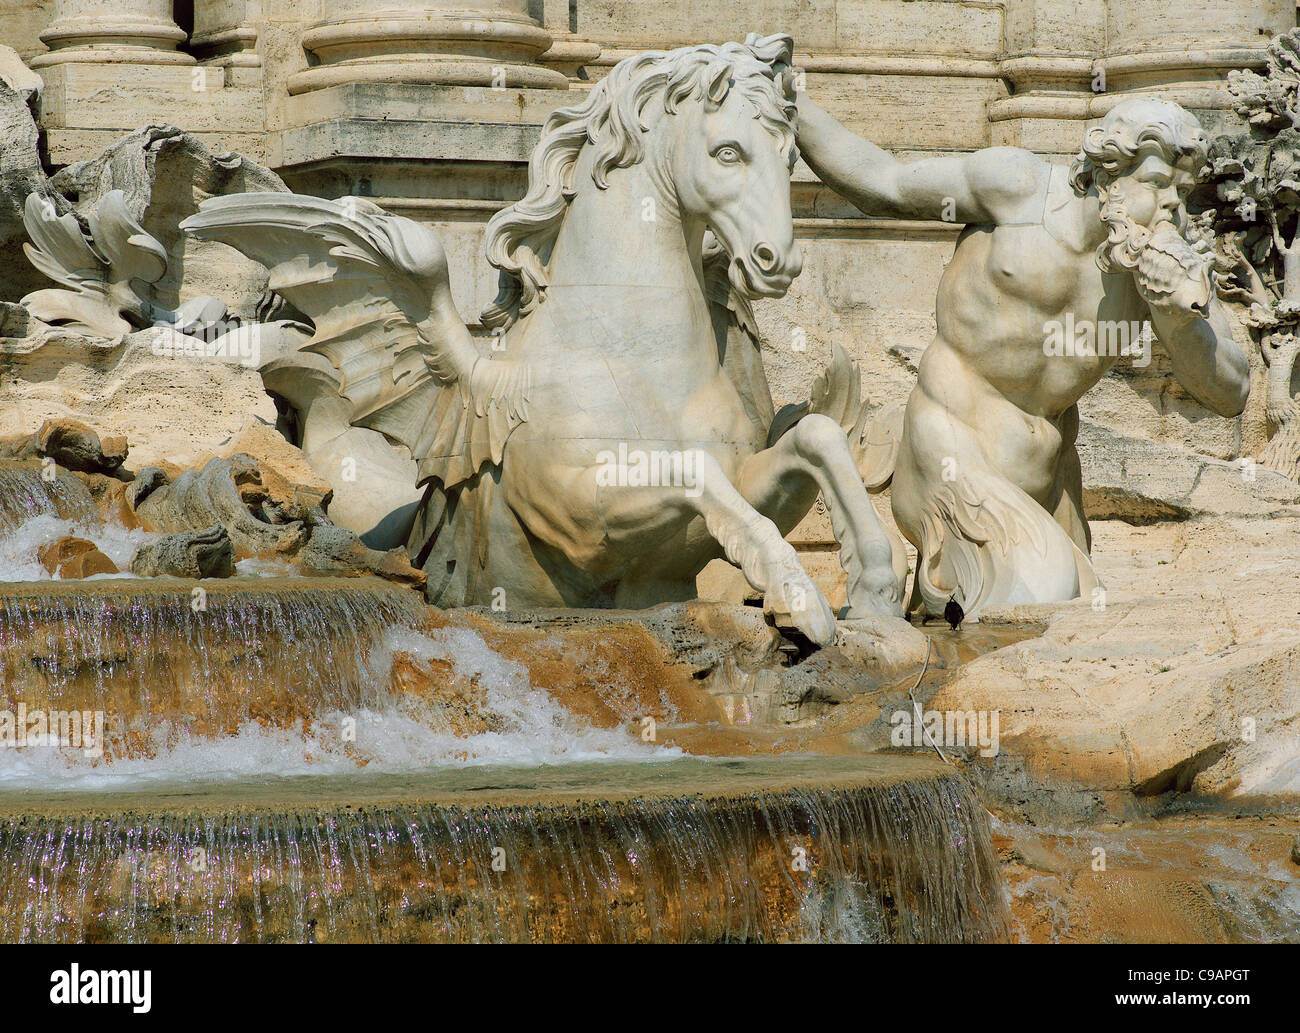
(519, 237)
(1130, 128)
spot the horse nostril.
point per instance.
(764, 257)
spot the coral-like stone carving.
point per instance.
(1256, 176)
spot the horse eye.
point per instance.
(727, 155)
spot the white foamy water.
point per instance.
(529, 728)
(19, 548)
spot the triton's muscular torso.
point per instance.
(988, 367)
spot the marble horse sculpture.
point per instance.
(604, 446)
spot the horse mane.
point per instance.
(520, 236)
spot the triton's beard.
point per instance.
(1125, 239)
(1172, 272)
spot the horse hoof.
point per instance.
(801, 605)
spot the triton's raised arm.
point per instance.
(992, 186)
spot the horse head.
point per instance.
(715, 127)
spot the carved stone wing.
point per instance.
(874, 437)
(376, 287)
(99, 278)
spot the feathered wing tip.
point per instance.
(874, 437)
(377, 290)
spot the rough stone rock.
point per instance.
(1141, 482)
(109, 492)
(1186, 878)
(227, 492)
(755, 675)
(164, 173)
(190, 554)
(286, 476)
(21, 173)
(889, 647)
(337, 552)
(169, 404)
(143, 485)
(70, 557)
(611, 672)
(1186, 679)
(704, 636)
(71, 444)
(15, 321)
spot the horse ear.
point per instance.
(717, 84)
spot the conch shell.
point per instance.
(1173, 274)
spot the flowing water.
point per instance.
(231, 679)
(299, 759)
(775, 850)
(27, 491)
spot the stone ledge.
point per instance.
(373, 139)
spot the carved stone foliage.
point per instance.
(97, 277)
(1255, 175)
(103, 272)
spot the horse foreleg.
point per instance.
(755, 544)
(601, 527)
(817, 449)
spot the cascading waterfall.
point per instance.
(471, 805)
(279, 676)
(864, 859)
(208, 656)
(27, 491)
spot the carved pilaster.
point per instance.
(225, 32)
(1184, 51)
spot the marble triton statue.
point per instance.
(615, 436)
(986, 480)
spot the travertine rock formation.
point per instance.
(70, 444)
(155, 387)
(71, 557)
(189, 554)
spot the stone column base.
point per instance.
(437, 49)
